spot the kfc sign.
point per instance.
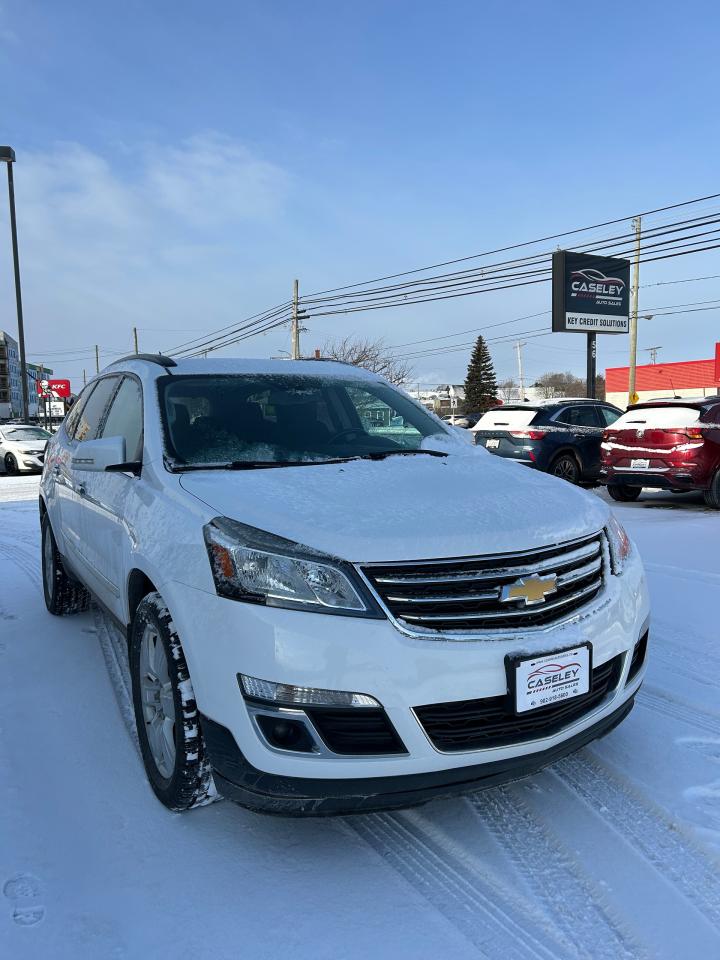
(57, 389)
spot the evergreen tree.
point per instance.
(480, 385)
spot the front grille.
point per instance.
(356, 732)
(464, 595)
(491, 722)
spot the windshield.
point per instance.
(289, 420)
(26, 433)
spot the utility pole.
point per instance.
(135, 339)
(84, 378)
(97, 359)
(295, 328)
(7, 155)
(653, 351)
(634, 311)
(518, 346)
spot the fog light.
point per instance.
(289, 695)
(285, 734)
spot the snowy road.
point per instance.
(612, 853)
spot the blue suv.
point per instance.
(560, 436)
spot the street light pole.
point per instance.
(7, 155)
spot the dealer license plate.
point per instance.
(639, 464)
(547, 679)
(492, 444)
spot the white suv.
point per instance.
(333, 602)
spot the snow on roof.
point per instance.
(252, 365)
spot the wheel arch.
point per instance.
(139, 585)
(573, 453)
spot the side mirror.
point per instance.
(98, 455)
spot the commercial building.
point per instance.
(688, 378)
(10, 380)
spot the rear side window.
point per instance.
(91, 415)
(580, 416)
(608, 416)
(125, 418)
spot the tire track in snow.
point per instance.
(570, 898)
(22, 559)
(646, 828)
(662, 703)
(498, 922)
(112, 643)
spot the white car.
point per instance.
(22, 447)
(316, 621)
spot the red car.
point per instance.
(666, 444)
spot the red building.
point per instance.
(688, 378)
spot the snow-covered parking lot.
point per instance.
(613, 853)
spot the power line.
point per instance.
(492, 277)
(527, 243)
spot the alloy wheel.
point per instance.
(158, 701)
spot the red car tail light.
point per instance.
(528, 434)
(694, 433)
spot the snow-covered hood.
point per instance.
(405, 508)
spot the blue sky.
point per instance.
(179, 163)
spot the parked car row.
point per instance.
(662, 444)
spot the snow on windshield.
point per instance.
(501, 419)
(657, 417)
(221, 419)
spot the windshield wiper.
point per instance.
(257, 464)
(381, 454)
(262, 464)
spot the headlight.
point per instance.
(259, 567)
(620, 545)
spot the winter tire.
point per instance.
(171, 741)
(712, 494)
(623, 494)
(63, 595)
(566, 467)
(11, 465)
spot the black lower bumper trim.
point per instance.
(272, 793)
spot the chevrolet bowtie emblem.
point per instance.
(532, 590)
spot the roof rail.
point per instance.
(149, 358)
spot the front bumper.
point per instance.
(238, 780)
(223, 638)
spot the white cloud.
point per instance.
(160, 232)
(212, 180)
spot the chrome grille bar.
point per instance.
(465, 594)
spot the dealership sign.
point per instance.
(57, 389)
(590, 294)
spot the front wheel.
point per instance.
(566, 467)
(622, 493)
(11, 464)
(63, 595)
(171, 742)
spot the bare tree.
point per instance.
(507, 389)
(560, 385)
(373, 355)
